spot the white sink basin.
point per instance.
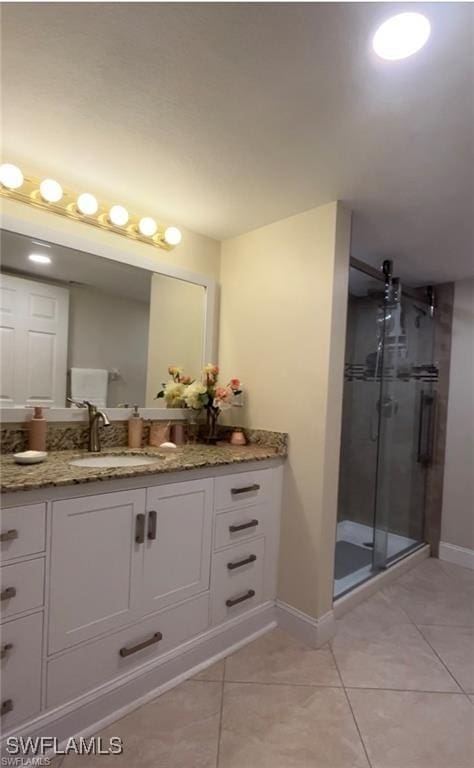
(114, 461)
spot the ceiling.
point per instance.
(223, 117)
(73, 267)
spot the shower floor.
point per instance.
(349, 560)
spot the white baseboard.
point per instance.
(97, 709)
(311, 631)
(458, 555)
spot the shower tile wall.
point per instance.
(359, 421)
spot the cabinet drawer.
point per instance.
(242, 489)
(93, 664)
(237, 580)
(23, 531)
(240, 525)
(21, 669)
(22, 587)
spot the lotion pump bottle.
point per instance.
(38, 426)
(135, 429)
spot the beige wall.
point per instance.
(107, 331)
(282, 331)
(457, 525)
(176, 336)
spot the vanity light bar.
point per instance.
(49, 195)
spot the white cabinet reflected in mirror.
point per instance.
(78, 325)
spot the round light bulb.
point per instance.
(87, 204)
(401, 36)
(118, 215)
(173, 236)
(147, 226)
(10, 176)
(51, 191)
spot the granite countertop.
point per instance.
(57, 471)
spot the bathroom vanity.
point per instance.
(119, 582)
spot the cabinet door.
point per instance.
(96, 566)
(177, 543)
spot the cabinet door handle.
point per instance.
(8, 593)
(140, 528)
(140, 647)
(245, 489)
(6, 706)
(235, 600)
(243, 526)
(9, 535)
(240, 563)
(5, 650)
(152, 525)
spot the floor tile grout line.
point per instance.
(417, 627)
(369, 763)
(444, 626)
(406, 690)
(219, 730)
(281, 684)
(441, 660)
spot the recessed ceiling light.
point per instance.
(401, 36)
(39, 258)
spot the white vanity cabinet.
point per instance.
(177, 552)
(116, 557)
(22, 593)
(121, 589)
(96, 565)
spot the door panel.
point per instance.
(96, 566)
(34, 320)
(406, 405)
(178, 547)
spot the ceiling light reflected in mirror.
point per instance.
(401, 36)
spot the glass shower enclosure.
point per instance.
(387, 424)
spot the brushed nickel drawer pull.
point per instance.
(7, 706)
(9, 535)
(243, 526)
(152, 525)
(235, 600)
(140, 528)
(5, 650)
(8, 593)
(249, 559)
(141, 646)
(245, 489)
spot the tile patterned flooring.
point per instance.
(394, 689)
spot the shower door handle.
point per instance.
(426, 429)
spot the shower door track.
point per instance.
(419, 294)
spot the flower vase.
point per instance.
(212, 436)
(193, 424)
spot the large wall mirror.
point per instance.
(77, 325)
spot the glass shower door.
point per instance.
(405, 411)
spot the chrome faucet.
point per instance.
(95, 417)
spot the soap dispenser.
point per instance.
(135, 429)
(37, 431)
